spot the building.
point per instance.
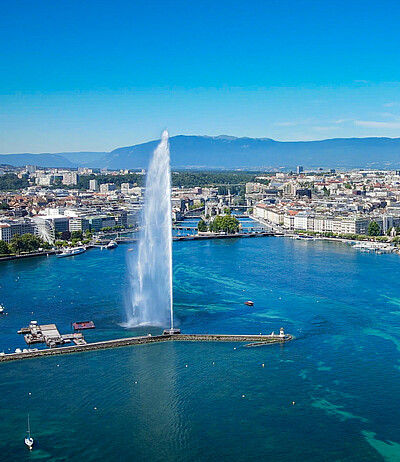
(299, 169)
(107, 187)
(10, 228)
(78, 224)
(93, 185)
(70, 179)
(31, 169)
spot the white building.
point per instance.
(93, 185)
(70, 179)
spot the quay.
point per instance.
(123, 342)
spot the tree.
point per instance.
(4, 248)
(202, 226)
(227, 210)
(374, 229)
(27, 243)
(17, 245)
(76, 235)
(228, 224)
(65, 235)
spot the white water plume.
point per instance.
(150, 293)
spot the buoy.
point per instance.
(263, 365)
(58, 365)
(29, 393)
(135, 382)
(213, 362)
(186, 365)
(293, 403)
(242, 396)
(234, 348)
(95, 408)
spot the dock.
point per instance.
(129, 341)
(49, 334)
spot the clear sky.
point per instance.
(96, 75)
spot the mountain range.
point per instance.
(229, 152)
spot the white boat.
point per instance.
(1, 309)
(29, 439)
(112, 244)
(70, 251)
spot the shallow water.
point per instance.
(342, 370)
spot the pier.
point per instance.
(129, 341)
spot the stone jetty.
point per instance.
(123, 342)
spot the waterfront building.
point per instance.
(78, 224)
(10, 228)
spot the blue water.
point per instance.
(342, 371)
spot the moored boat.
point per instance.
(112, 244)
(70, 251)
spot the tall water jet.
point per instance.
(150, 299)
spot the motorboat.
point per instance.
(71, 251)
(112, 244)
(29, 439)
(249, 303)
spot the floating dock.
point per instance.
(123, 342)
(49, 334)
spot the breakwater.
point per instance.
(123, 342)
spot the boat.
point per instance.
(70, 251)
(1, 309)
(249, 303)
(29, 439)
(112, 244)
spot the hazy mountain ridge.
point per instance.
(230, 152)
(226, 151)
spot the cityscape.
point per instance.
(199, 231)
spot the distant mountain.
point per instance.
(230, 152)
(84, 158)
(59, 160)
(41, 160)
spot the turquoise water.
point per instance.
(136, 403)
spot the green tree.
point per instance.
(27, 243)
(4, 248)
(228, 224)
(227, 210)
(202, 226)
(76, 235)
(374, 229)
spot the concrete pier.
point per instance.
(123, 342)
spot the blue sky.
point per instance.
(96, 75)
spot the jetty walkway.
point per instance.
(123, 342)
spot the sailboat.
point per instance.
(29, 439)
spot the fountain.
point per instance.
(150, 299)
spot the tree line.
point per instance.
(25, 243)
